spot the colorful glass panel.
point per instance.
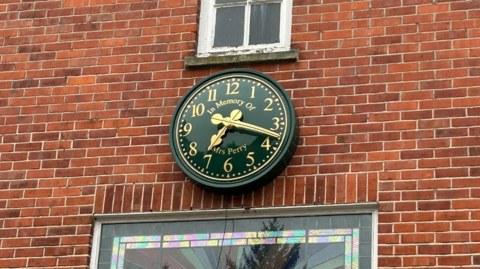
(327, 248)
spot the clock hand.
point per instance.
(251, 127)
(217, 139)
(217, 118)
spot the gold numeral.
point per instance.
(268, 108)
(266, 143)
(187, 129)
(275, 123)
(234, 91)
(209, 156)
(250, 157)
(198, 110)
(212, 95)
(193, 150)
(227, 167)
(253, 92)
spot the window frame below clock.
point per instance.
(322, 211)
(208, 26)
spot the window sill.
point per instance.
(230, 60)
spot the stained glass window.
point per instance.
(321, 242)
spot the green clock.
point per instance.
(234, 131)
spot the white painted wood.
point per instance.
(237, 213)
(374, 239)
(206, 11)
(207, 30)
(246, 31)
(286, 23)
(97, 232)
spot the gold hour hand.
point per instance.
(217, 119)
(217, 139)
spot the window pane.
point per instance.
(262, 243)
(265, 24)
(229, 27)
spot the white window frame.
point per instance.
(207, 30)
(226, 214)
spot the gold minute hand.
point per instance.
(248, 126)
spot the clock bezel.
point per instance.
(261, 177)
(197, 93)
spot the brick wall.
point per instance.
(387, 93)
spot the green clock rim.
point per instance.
(251, 182)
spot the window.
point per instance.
(334, 241)
(229, 27)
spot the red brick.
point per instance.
(419, 261)
(58, 251)
(40, 262)
(81, 80)
(389, 116)
(454, 260)
(13, 263)
(71, 261)
(389, 261)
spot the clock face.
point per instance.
(231, 129)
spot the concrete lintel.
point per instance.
(232, 60)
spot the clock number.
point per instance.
(209, 156)
(268, 108)
(193, 150)
(198, 110)
(212, 95)
(187, 129)
(249, 156)
(253, 92)
(227, 166)
(234, 91)
(266, 143)
(275, 123)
